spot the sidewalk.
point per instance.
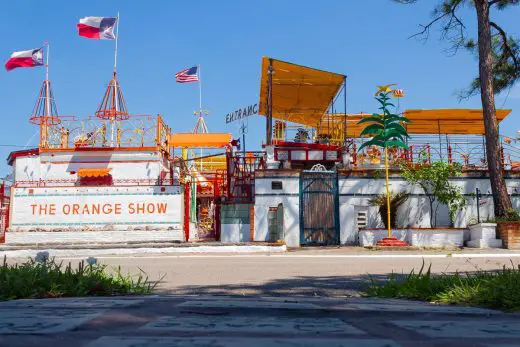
(219, 321)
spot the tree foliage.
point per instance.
(386, 128)
(505, 47)
(434, 179)
(396, 200)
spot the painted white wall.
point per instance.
(355, 193)
(26, 168)
(234, 233)
(266, 197)
(59, 165)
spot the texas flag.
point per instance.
(98, 28)
(30, 58)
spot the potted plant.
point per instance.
(396, 200)
(302, 136)
(279, 130)
(508, 229)
(324, 139)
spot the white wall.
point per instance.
(289, 196)
(59, 165)
(96, 208)
(355, 193)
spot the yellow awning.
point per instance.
(94, 172)
(441, 121)
(299, 94)
(189, 140)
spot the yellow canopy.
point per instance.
(441, 121)
(190, 140)
(299, 94)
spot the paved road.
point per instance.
(252, 322)
(323, 273)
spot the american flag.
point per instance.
(187, 75)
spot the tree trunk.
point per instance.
(501, 199)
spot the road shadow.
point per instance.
(297, 285)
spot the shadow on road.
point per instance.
(298, 285)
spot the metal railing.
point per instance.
(469, 151)
(76, 183)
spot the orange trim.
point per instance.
(94, 172)
(102, 149)
(190, 140)
(100, 162)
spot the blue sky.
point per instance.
(366, 40)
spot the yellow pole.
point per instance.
(387, 193)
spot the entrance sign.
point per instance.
(242, 113)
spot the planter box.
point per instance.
(428, 238)
(509, 232)
(369, 237)
(437, 237)
(483, 235)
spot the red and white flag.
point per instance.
(30, 58)
(98, 28)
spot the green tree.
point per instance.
(387, 130)
(499, 69)
(396, 200)
(434, 179)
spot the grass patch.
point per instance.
(491, 289)
(46, 278)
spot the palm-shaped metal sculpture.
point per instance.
(387, 130)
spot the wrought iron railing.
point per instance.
(76, 183)
(469, 151)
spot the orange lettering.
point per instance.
(107, 209)
(131, 208)
(95, 209)
(75, 208)
(150, 208)
(33, 208)
(52, 209)
(140, 209)
(161, 207)
(85, 209)
(117, 209)
(66, 209)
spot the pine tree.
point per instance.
(499, 69)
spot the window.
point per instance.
(361, 219)
(276, 185)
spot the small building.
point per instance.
(316, 187)
(110, 172)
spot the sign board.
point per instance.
(242, 113)
(122, 208)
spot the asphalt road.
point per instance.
(301, 273)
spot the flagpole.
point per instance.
(115, 84)
(200, 91)
(44, 124)
(117, 38)
(47, 60)
(200, 107)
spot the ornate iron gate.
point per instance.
(319, 208)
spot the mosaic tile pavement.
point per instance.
(251, 321)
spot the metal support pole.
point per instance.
(477, 194)
(345, 111)
(269, 118)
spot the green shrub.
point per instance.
(45, 278)
(491, 289)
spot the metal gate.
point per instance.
(319, 208)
